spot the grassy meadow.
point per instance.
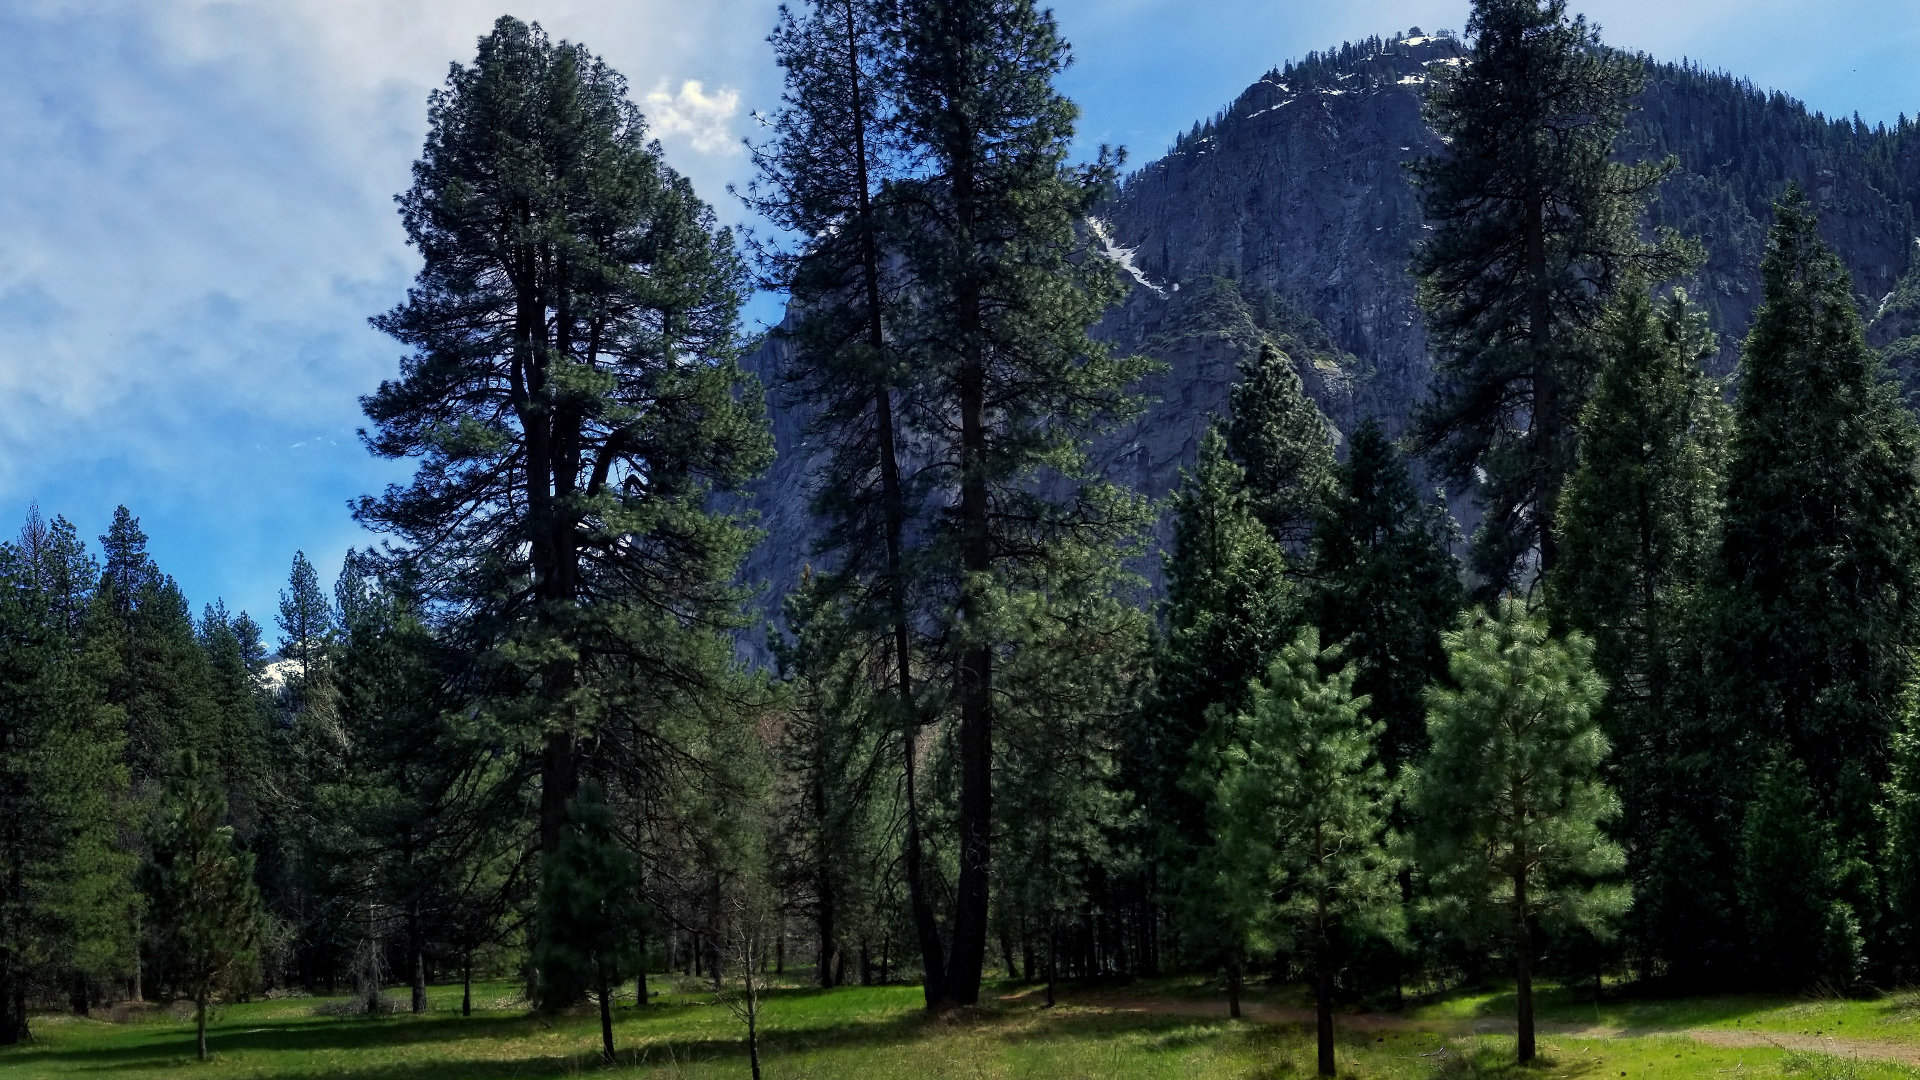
(1160, 1029)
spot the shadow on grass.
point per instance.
(1016, 1024)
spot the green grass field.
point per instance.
(1143, 1030)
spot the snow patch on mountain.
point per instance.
(1121, 257)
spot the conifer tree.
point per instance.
(835, 746)
(1509, 804)
(241, 751)
(569, 448)
(1639, 523)
(163, 682)
(1306, 804)
(1818, 555)
(823, 178)
(65, 897)
(590, 904)
(408, 799)
(200, 893)
(306, 618)
(1534, 225)
(1386, 585)
(1229, 609)
(1010, 386)
(1279, 437)
(1075, 670)
(1802, 932)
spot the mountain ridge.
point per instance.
(1289, 216)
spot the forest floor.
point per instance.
(1145, 1029)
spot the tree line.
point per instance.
(1653, 719)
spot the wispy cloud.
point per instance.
(704, 119)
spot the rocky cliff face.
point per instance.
(1291, 214)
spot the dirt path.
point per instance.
(1865, 1049)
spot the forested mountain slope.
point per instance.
(1290, 214)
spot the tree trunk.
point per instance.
(1053, 964)
(1233, 988)
(1006, 953)
(466, 985)
(419, 966)
(1323, 1000)
(919, 903)
(606, 1012)
(640, 993)
(1523, 966)
(200, 1026)
(753, 1010)
(13, 1024)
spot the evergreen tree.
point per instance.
(1817, 561)
(1534, 226)
(1386, 586)
(200, 893)
(823, 177)
(571, 451)
(241, 742)
(1306, 804)
(1279, 437)
(1009, 384)
(65, 901)
(406, 803)
(1509, 804)
(1639, 526)
(1075, 670)
(589, 903)
(1801, 931)
(831, 754)
(1229, 608)
(163, 683)
(306, 619)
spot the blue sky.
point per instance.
(196, 215)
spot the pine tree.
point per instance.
(241, 744)
(1509, 804)
(1801, 931)
(824, 177)
(1009, 385)
(1386, 586)
(411, 824)
(306, 619)
(1075, 668)
(1229, 609)
(589, 903)
(1279, 437)
(569, 454)
(200, 893)
(1639, 523)
(1306, 804)
(834, 745)
(163, 683)
(1534, 226)
(1817, 561)
(65, 900)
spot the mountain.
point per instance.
(1290, 215)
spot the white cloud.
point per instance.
(702, 117)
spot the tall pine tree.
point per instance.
(1306, 801)
(1386, 585)
(1534, 224)
(1640, 521)
(573, 398)
(1509, 804)
(1010, 386)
